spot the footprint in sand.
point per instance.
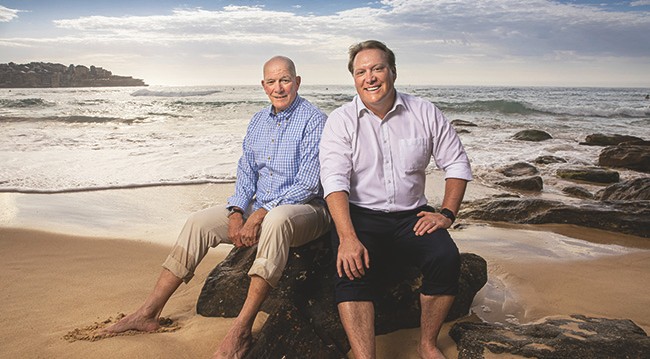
(91, 332)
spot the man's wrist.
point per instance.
(234, 209)
(449, 214)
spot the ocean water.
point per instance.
(59, 140)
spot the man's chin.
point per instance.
(280, 105)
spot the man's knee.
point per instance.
(277, 218)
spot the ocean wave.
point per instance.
(72, 119)
(25, 103)
(498, 106)
(112, 187)
(507, 107)
(219, 103)
(146, 92)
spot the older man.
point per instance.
(277, 204)
(374, 153)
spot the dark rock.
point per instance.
(631, 217)
(589, 174)
(303, 320)
(519, 169)
(462, 131)
(579, 192)
(545, 160)
(463, 123)
(633, 190)
(532, 135)
(631, 155)
(41, 74)
(533, 183)
(599, 139)
(577, 337)
(287, 333)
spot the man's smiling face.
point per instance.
(374, 80)
(280, 84)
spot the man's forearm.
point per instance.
(339, 208)
(454, 193)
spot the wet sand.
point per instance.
(75, 260)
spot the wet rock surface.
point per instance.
(532, 183)
(519, 169)
(629, 155)
(630, 217)
(633, 190)
(532, 135)
(599, 139)
(578, 192)
(576, 337)
(589, 174)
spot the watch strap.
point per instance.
(449, 214)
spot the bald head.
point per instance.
(280, 61)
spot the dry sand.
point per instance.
(54, 283)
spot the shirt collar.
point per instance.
(399, 102)
(287, 112)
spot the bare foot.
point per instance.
(235, 344)
(133, 321)
(428, 352)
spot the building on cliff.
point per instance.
(42, 74)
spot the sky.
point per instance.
(436, 42)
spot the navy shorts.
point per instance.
(391, 242)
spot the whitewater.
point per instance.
(61, 140)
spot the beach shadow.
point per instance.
(92, 333)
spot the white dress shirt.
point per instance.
(381, 163)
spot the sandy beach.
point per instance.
(75, 259)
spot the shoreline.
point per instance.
(78, 258)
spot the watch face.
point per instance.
(233, 210)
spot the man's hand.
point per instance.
(235, 224)
(353, 259)
(429, 222)
(250, 232)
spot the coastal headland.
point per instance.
(45, 74)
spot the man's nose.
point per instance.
(370, 77)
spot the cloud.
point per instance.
(640, 3)
(495, 28)
(473, 33)
(7, 14)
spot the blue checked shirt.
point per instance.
(279, 164)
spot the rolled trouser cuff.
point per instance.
(176, 268)
(266, 270)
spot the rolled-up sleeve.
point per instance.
(448, 151)
(335, 154)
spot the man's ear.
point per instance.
(298, 79)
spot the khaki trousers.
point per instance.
(283, 227)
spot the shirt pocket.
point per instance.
(414, 154)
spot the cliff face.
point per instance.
(41, 74)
